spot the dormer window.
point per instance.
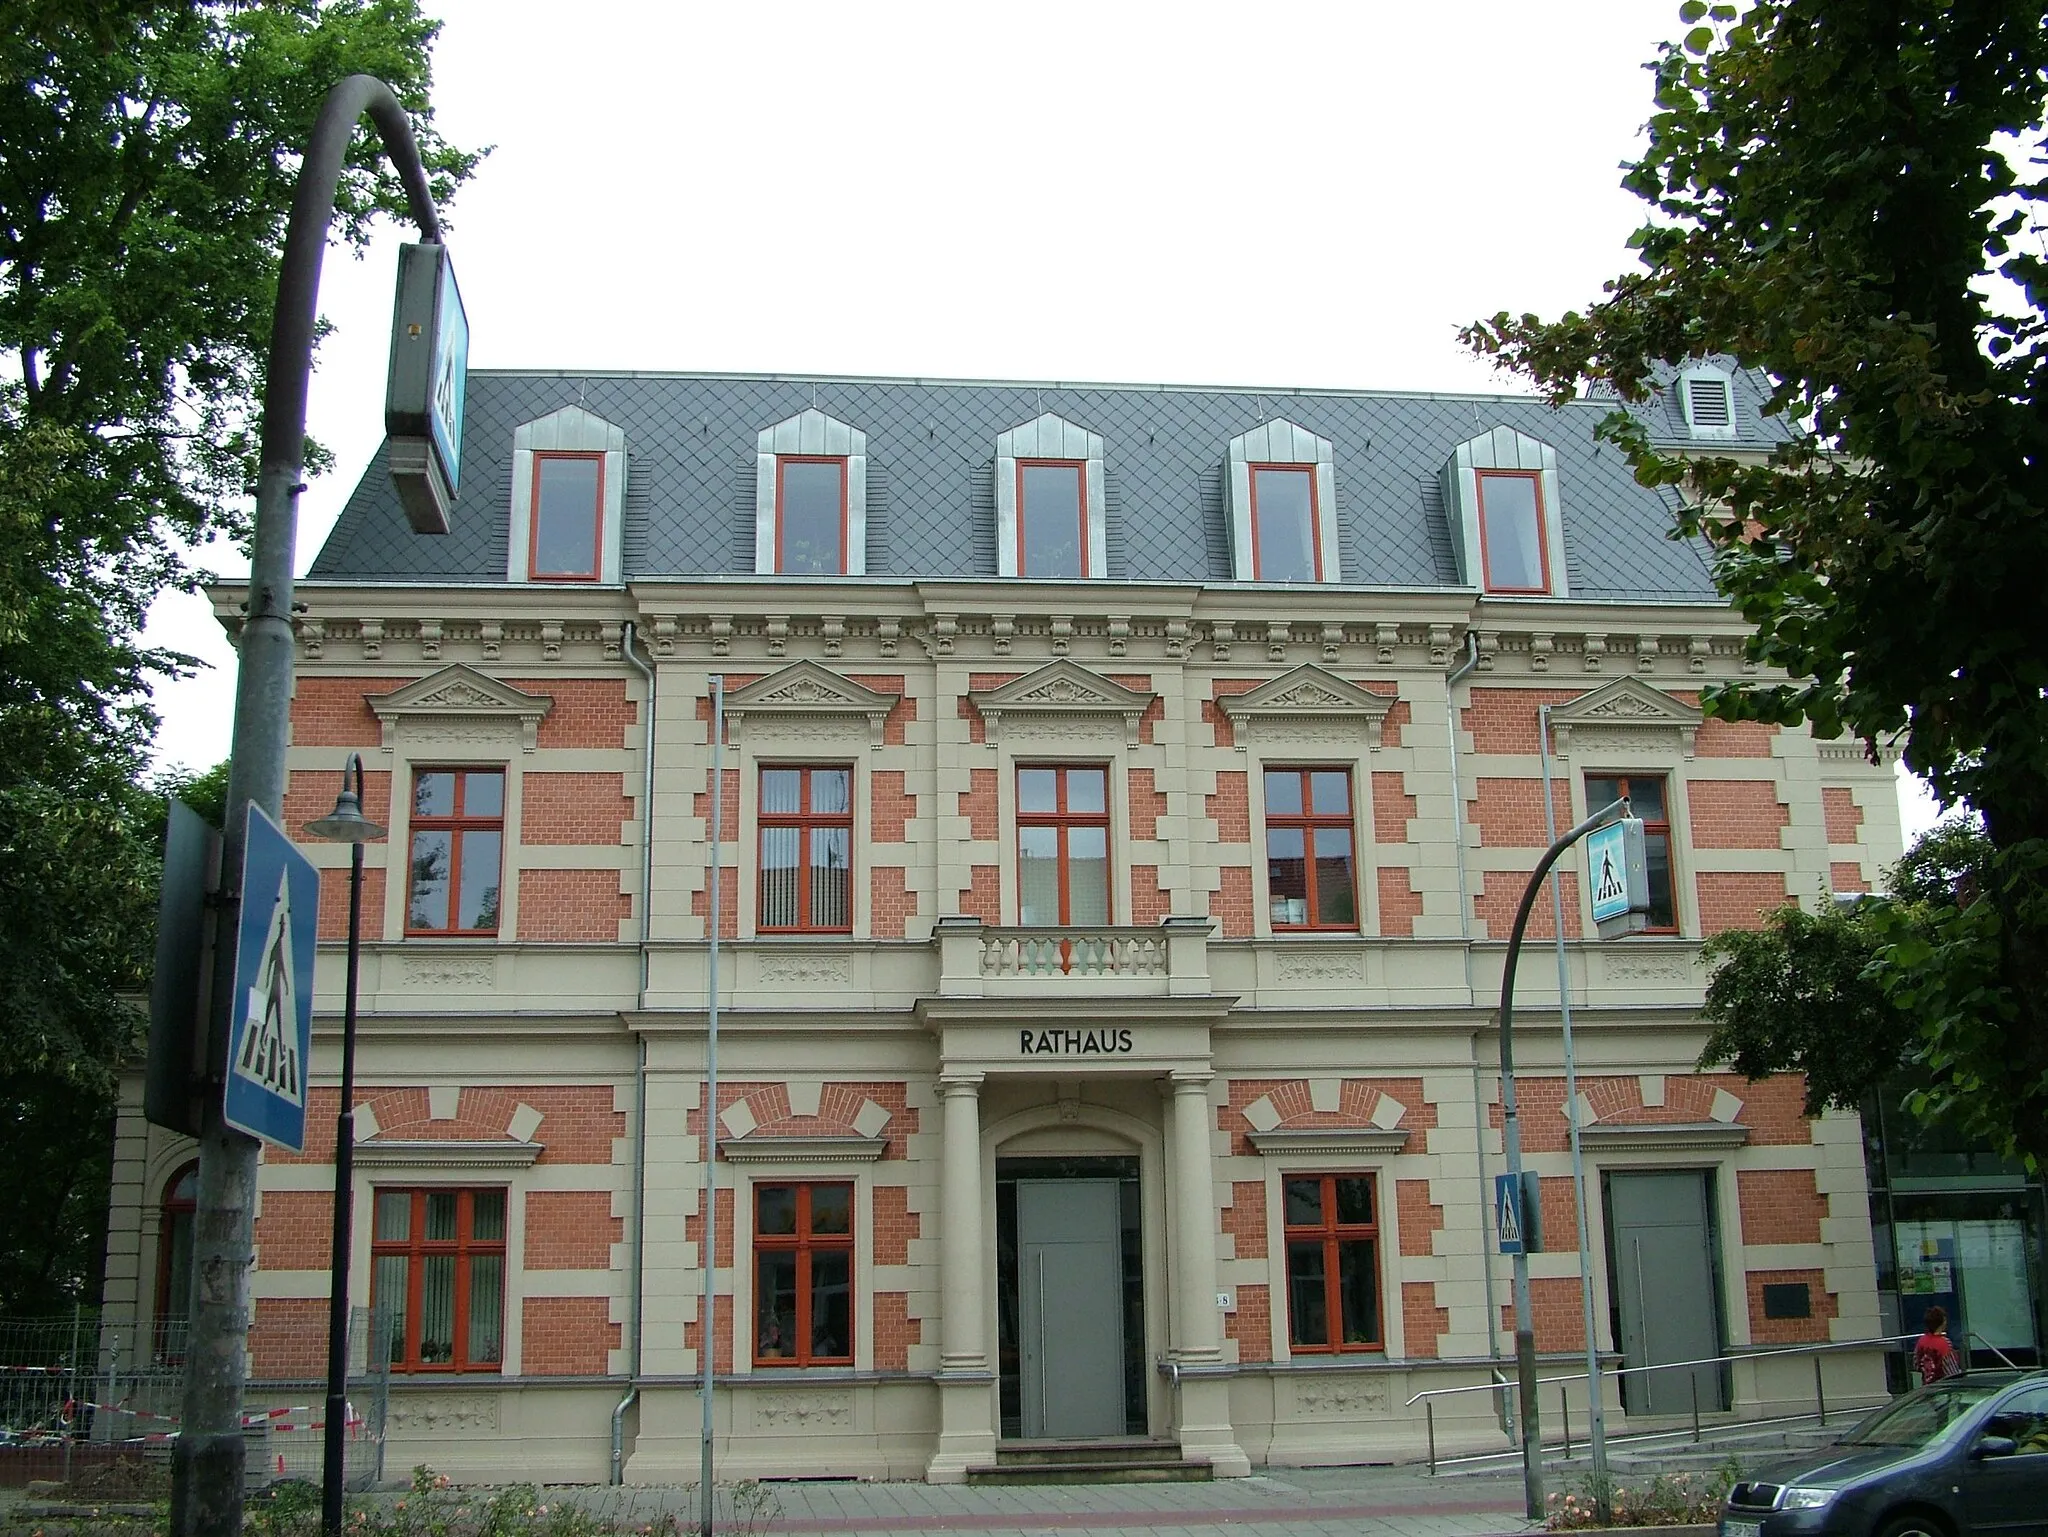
(1052, 517)
(567, 541)
(1708, 396)
(1500, 498)
(1286, 525)
(1050, 501)
(1511, 544)
(811, 498)
(1280, 482)
(568, 498)
(810, 516)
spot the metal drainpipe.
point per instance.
(618, 1468)
(1452, 679)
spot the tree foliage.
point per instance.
(1846, 195)
(148, 154)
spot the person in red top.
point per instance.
(1933, 1356)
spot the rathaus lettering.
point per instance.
(1074, 1043)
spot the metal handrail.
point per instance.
(1428, 1396)
(2008, 1360)
(1666, 1366)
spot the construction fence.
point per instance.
(76, 1394)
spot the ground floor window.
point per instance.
(1333, 1248)
(803, 1275)
(438, 1277)
(174, 1264)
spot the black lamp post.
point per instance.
(345, 824)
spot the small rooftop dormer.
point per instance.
(1500, 495)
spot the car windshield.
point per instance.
(1921, 1419)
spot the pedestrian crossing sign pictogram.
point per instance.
(270, 1027)
(1617, 875)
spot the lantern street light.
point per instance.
(344, 824)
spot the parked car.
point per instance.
(1962, 1458)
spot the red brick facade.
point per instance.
(1400, 902)
(1231, 903)
(1844, 816)
(1230, 808)
(894, 809)
(1293, 1100)
(1736, 813)
(891, 902)
(1244, 1219)
(574, 808)
(571, 1230)
(1789, 1331)
(1147, 806)
(1421, 1319)
(1509, 812)
(1252, 1324)
(895, 1331)
(1780, 1205)
(572, 905)
(295, 1230)
(1557, 1311)
(1773, 1109)
(1150, 902)
(1737, 899)
(1420, 1218)
(567, 1336)
(895, 1225)
(1392, 808)
(979, 805)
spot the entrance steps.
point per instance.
(1119, 1461)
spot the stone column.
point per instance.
(1203, 1413)
(967, 1398)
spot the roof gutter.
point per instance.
(637, 1307)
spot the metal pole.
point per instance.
(207, 1462)
(332, 1474)
(71, 1389)
(1511, 1137)
(1564, 1415)
(1596, 1414)
(1694, 1378)
(706, 1348)
(1820, 1397)
(1429, 1420)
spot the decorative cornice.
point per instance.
(1310, 693)
(800, 1149)
(1335, 1141)
(1626, 704)
(1661, 1136)
(1062, 690)
(384, 1152)
(808, 692)
(459, 693)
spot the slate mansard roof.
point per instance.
(689, 510)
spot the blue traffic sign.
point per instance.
(1507, 1213)
(270, 1025)
(1607, 859)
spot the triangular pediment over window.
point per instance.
(1309, 693)
(807, 692)
(1626, 705)
(1062, 691)
(460, 694)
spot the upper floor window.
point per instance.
(807, 850)
(1286, 525)
(1708, 396)
(1500, 499)
(1280, 484)
(1312, 877)
(1511, 544)
(438, 1276)
(1333, 1263)
(1062, 846)
(1646, 799)
(1051, 498)
(811, 497)
(810, 516)
(567, 540)
(803, 1275)
(457, 853)
(1052, 517)
(568, 497)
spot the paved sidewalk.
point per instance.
(1296, 1502)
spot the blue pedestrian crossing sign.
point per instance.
(1518, 1213)
(270, 1025)
(1617, 874)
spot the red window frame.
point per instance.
(1653, 828)
(170, 1327)
(1064, 820)
(783, 460)
(1315, 511)
(415, 1248)
(1080, 469)
(596, 571)
(1535, 478)
(804, 819)
(1333, 1235)
(457, 824)
(804, 1243)
(1309, 822)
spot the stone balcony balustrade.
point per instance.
(978, 960)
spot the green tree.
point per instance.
(1818, 993)
(1846, 195)
(145, 184)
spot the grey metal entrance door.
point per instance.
(1070, 1307)
(1661, 1276)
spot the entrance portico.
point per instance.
(1067, 1108)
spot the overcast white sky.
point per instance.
(1297, 194)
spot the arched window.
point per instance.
(174, 1263)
